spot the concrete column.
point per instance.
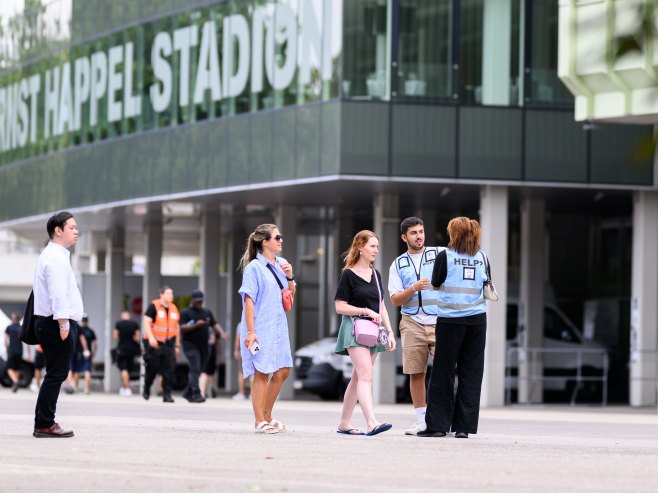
(531, 300)
(286, 221)
(209, 252)
(496, 51)
(82, 260)
(115, 256)
(232, 223)
(644, 300)
(152, 264)
(494, 223)
(343, 232)
(386, 220)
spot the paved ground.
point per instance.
(128, 444)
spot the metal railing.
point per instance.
(578, 378)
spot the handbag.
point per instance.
(287, 296)
(366, 332)
(488, 287)
(28, 333)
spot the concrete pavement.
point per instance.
(128, 444)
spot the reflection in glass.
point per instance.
(424, 48)
(365, 54)
(545, 86)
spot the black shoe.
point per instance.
(431, 433)
(167, 398)
(461, 434)
(146, 395)
(196, 398)
(213, 392)
(14, 388)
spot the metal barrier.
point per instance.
(578, 378)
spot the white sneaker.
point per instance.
(33, 387)
(415, 428)
(238, 397)
(125, 392)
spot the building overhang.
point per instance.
(608, 59)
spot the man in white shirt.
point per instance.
(58, 308)
(409, 287)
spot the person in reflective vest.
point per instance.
(161, 342)
(409, 287)
(461, 328)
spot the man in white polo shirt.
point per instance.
(58, 308)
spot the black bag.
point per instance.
(28, 332)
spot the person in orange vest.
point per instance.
(161, 342)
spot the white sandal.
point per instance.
(265, 427)
(278, 425)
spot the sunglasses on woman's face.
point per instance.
(277, 238)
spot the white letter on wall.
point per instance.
(51, 102)
(81, 88)
(98, 84)
(184, 39)
(257, 27)
(282, 30)
(65, 100)
(35, 88)
(160, 99)
(23, 114)
(114, 83)
(207, 75)
(235, 27)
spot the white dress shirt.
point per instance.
(56, 292)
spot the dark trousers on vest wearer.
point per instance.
(462, 345)
(160, 360)
(57, 354)
(196, 356)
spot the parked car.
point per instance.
(320, 371)
(563, 342)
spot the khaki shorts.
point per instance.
(418, 343)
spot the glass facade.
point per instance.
(424, 67)
(229, 58)
(253, 91)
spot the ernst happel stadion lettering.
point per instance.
(221, 58)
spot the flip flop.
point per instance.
(278, 425)
(351, 431)
(379, 429)
(265, 427)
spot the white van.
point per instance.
(320, 371)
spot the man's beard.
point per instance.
(415, 248)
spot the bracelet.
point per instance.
(65, 326)
(414, 288)
(290, 278)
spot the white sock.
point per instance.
(420, 415)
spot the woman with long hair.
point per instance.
(265, 343)
(461, 330)
(360, 294)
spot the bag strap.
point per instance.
(379, 291)
(278, 281)
(486, 264)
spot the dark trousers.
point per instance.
(159, 360)
(196, 356)
(57, 354)
(462, 345)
